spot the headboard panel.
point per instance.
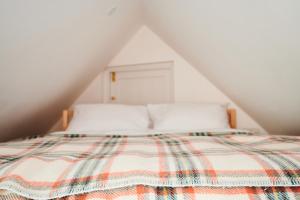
(68, 114)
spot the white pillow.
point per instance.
(186, 117)
(109, 117)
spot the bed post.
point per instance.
(66, 117)
(232, 118)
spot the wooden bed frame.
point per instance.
(68, 114)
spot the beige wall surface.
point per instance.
(50, 51)
(189, 85)
(249, 49)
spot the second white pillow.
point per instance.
(186, 117)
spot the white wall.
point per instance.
(249, 49)
(50, 51)
(93, 93)
(190, 86)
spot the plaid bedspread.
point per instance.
(61, 165)
(141, 192)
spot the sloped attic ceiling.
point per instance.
(250, 49)
(50, 51)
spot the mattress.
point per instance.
(192, 165)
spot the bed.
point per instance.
(206, 164)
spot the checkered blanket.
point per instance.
(61, 165)
(141, 192)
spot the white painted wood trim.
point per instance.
(140, 66)
(136, 67)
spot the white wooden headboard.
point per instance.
(139, 84)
